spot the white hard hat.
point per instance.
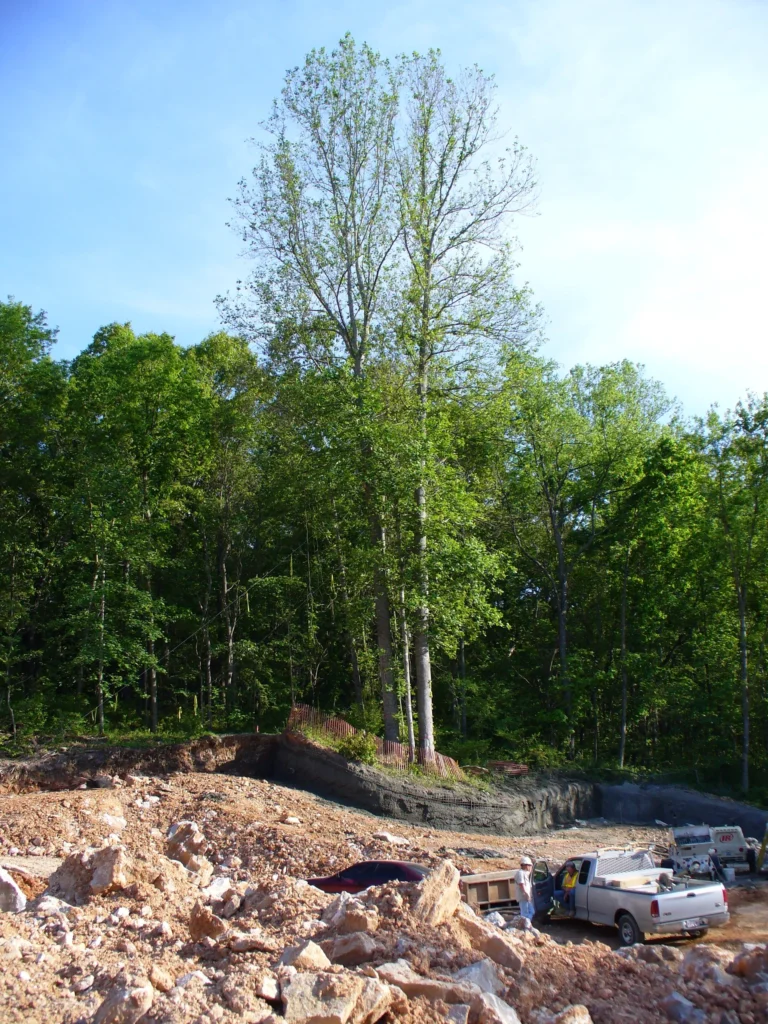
(526, 860)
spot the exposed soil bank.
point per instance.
(524, 807)
(530, 808)
(244, 754)
(677, 806)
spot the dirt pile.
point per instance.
(182, 900)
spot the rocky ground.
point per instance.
(181, 899)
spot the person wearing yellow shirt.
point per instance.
(567, 895)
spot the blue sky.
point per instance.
(124, 128)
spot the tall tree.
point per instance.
(317, 216)
(459, 298)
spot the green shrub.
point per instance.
(358, 747)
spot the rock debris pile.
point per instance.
(178, 903)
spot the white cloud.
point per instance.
(647, 121)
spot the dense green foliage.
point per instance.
(338, 504)
(189, 522)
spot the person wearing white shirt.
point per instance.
(524, 888)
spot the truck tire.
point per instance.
(629, 933)
(752, 860)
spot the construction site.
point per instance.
(170, 885)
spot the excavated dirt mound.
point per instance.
(202, 944)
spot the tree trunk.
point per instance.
(562, 639)
(100, 665)
(229, 615)
(384, 641)
(357, 683)
(623, 727)
(463, 678)
(742, 594)
(151, 669)
(407, 676)
(423, 663)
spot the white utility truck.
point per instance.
(689, 848)
(622, 888)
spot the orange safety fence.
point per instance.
(389, 752)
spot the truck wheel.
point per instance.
(752, 861)
(629, 933)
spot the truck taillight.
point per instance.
(654, 908)
(725, 897)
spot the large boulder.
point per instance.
(94, 872)
(125, 1004)
(348, 914)
(489, 1009)
(487, 939)
(483, 973)
(682, 1010)
(185, 840)
(401, 974)
(751, 965)
(439, 895)
(321, 998)
(353, 949)
(12, 899)
(307, 956)
(111, 869)
(203, 923)
(187, 844)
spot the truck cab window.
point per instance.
(584, 872)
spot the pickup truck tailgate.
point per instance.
(690, 904)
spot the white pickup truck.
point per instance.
(621, 888)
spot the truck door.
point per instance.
(582, 888)
(543, 887)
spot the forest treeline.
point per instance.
(372, 492)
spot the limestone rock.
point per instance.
(489, 1009)
(489, 940)
(458, 1013)
(373, 1002)
(576, 1014)
(439, 895)
(401, 973)
(698, 963)
(111, 869)
(114, 821)
(203, 922)
(483, 973)
(12, 899)
(125, 1005)
(247, 942)
(307, 956)
(750, 964)
(267, 988)
(321, 998)
(388, 837)
(353, 949)
(160, 978)
(187, 844)
(349, 914)
(682, 1010)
